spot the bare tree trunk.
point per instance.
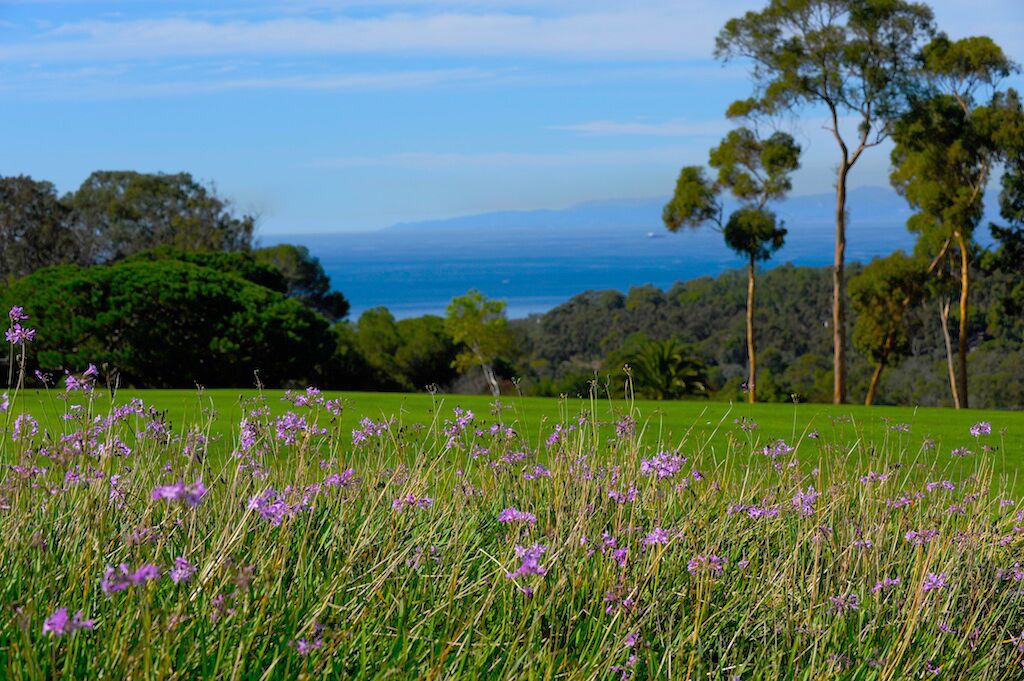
(491, 380)
(839, 291)
(944, 319)
(751, 351)
(961, 341)
(873, 386)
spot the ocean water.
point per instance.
(415, 271)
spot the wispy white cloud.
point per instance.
(90, 83)
(672, 128)
(624, 33)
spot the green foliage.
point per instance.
(410, 354)
(752, 170)
(659, 369)
(244, 265)
(853, 56)
(881, 295)
(305, 279)
(478, 325)
(694, 202)
(171, 323)
(754, 233)
(35, 228)
(124, 212)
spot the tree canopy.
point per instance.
(169, 323)
(119, 213)
(855, 58)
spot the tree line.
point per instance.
(940, 101)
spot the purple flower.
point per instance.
(411, 501)
(710, 563)
(369, 429)
(17, 314)
(305, 646)
(921, 538)
(192, 494)
(625, 427)
(845, 602)
(530, 558)
(19, 335)
(663, 465)
(123, 578)
(934, 581)
(803, 501)
(657, 536)
(24, 426)
(538, 471)
(58, 623)
(182, 570)
(557, 435)
(512, 515)
(981, 428)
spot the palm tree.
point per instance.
(663, 369)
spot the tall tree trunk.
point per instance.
(961, 341)
(491, 380)
(839, 290)
(944, 319)
(873, 386)
(751, 351)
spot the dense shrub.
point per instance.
(171, 323)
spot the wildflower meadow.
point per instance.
(312, 543)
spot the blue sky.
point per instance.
(340, 115)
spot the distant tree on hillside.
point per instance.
(119, 213)
(881, 296)
(478, 325)
(755, 171)
(305, 278)
(36, 229)
(947, 147)
(659, 369)
(851, 57)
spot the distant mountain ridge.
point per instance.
(865, 204)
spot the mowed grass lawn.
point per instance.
(687, 425)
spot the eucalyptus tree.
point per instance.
(479, 326)
(881, 295)
(847, 58)
(948, 145)
(754, 171)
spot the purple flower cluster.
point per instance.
(845, 602)
(981, 428)
(804, 500)
(885, 584)
(657, 536)
(290, 427)
(711, 564)
(934, 581)
(192, 494)
(454, 429)
(512, 515)
(182, 570)
(123, 578)
(367, 430)
(17, 334)
(411, 501)
(529, 561)
(59, 623)
(663, 465)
